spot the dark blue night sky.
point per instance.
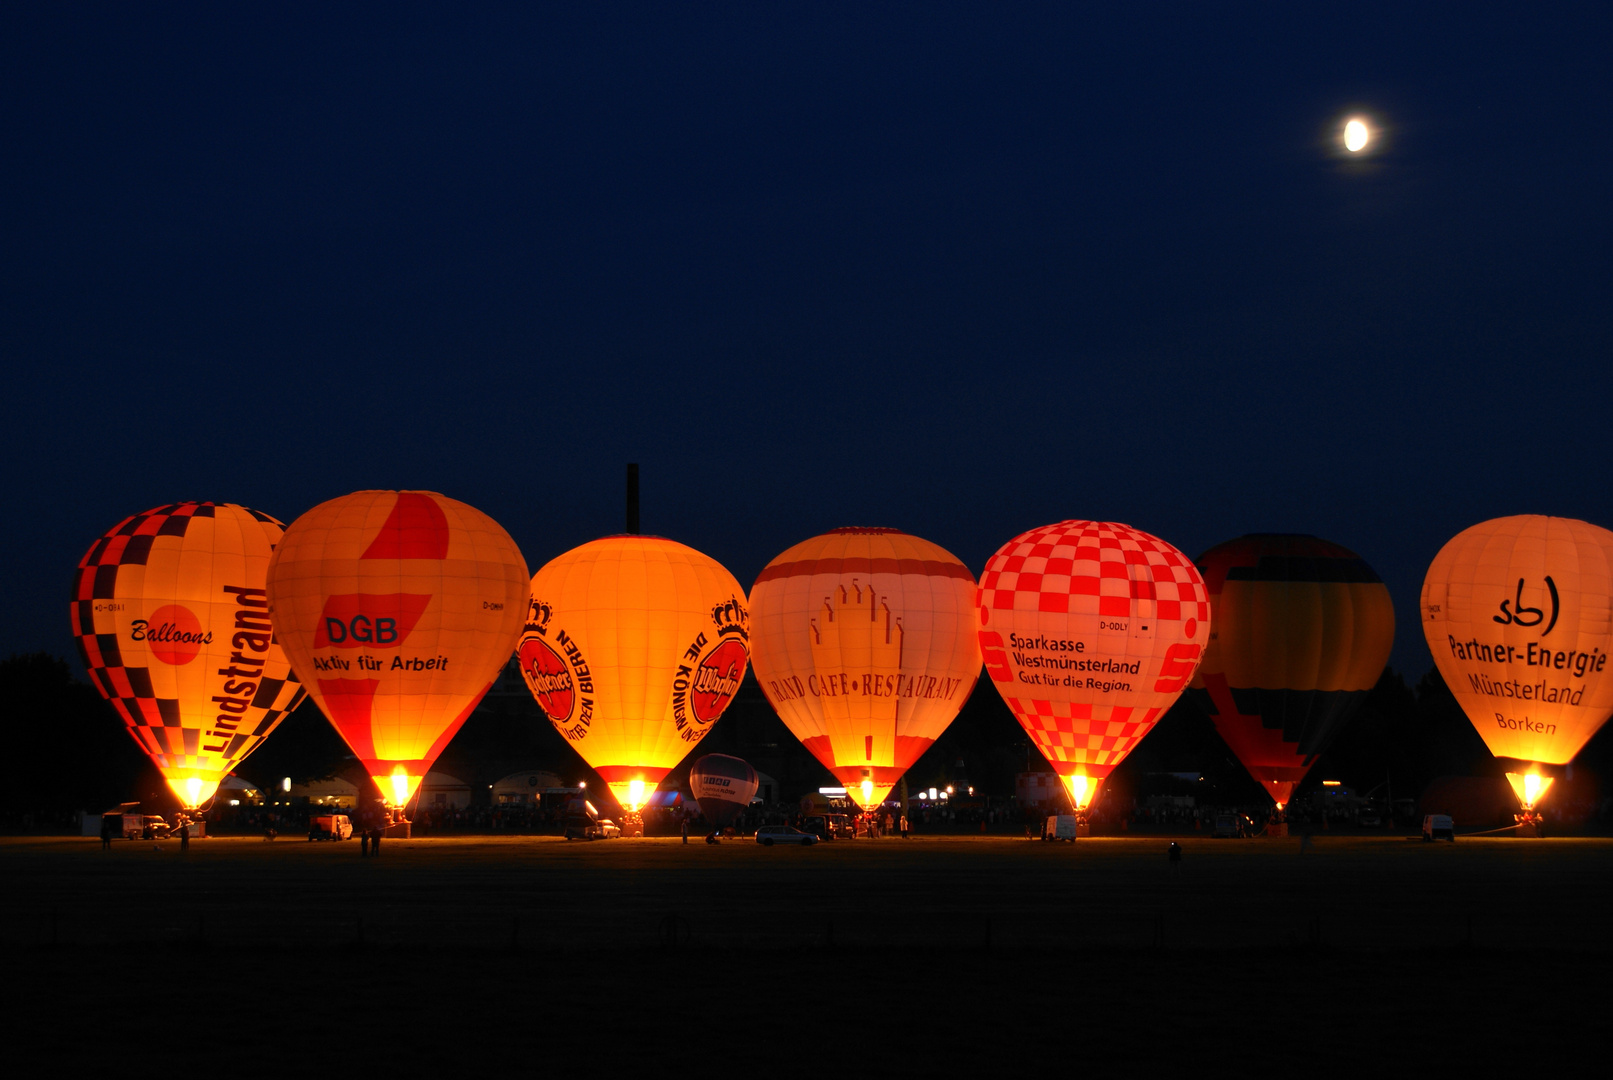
(963, 270)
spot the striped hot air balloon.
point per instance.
(1518, 612)
(863, 642)
(1303, 629)
(172, 621)
(1090, 631)
(723, 786)
(398, 608)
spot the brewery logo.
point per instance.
(717, 679)
(548, 677)
(173, 634)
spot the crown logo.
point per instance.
(731, 617)
(538, 616)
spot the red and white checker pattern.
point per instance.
(1096, 568)
(1095, 735)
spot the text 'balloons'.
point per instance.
(172, 620)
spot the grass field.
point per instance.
(465, 955)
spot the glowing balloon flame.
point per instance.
(401, 786)
(868, 792)
(193, 790)
(1530, 788)
(635, 794)
(1083, 789)
(1356, 136)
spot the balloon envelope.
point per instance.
(723, 786)
(172, 621)
(634, 646)
(1303, 629)
(399, 608)
(1518, 612)
(864, 645)
(1090, 630)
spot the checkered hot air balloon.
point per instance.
(398, 609)
(1303, 629)
(1090, 631)
(864, 644)
(172, 620)
(634, 646)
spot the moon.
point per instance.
(1356, 136)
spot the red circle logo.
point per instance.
(548, 677)
(173, 634)
(717, 679)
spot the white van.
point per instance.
(1439, 827)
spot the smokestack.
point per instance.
(632, 498)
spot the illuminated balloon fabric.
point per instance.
(864, 645)
(723, 786)
(172, 621)
(1090, 630)
(398, 608)
(634, 646)
(1303, 629)
(1518, 612)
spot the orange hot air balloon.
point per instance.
(172, 621)
(863, 645)
(399, 608)
(1091, 630)
(634, 647)
(1518, 612)
(1303, 629)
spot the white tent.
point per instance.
(439, 791)
(523, 788)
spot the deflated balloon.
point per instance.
(864, 645)
(1518, 612)
(398, 608)
(172, 621)
(1090, 631)
(634, 646)
(723, 786)
(1303, 629)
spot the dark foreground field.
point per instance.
(882, 958)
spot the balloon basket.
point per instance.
(1276, 828)
(1528, 826)
(397, 830)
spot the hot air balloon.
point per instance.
(1303, 629)
(1090, 629)
(634, 646)
(1518, 612)
(172, 621)
(398, 608)
(863, 646)
(723, 786)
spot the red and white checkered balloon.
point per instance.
(1090, 631)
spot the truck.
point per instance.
(1061, 827)
(1438, 827)
(330, 827)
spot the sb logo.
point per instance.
(1514, 613)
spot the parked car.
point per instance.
(830, 827)
(1227, 826)
(768, 835)
(603, 829)
(1439, 827)
(1369, 819)
(147, 827)
(330, 827)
